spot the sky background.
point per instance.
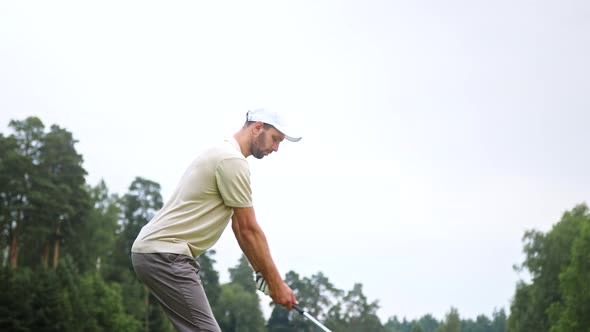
(435, 132)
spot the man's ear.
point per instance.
(257, 128)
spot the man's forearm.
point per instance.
(254, 245)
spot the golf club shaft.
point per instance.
(311, 318)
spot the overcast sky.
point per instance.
(435, 132)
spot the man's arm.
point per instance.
(253, 243)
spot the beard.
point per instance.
(257, 152)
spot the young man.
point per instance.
(214, 188)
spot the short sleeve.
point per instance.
(233, 181)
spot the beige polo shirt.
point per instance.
(198, 211)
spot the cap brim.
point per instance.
(287, 137)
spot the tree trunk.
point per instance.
(147, 309)
(14, 246)
(56, 246)
(46, 255)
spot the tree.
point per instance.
(499, 321)
(416, 327)
(60, 299)
(335, 318)
(537, 306)
(572, 314)
(60, 192)
(243, 275)
(318, 295)
(96, 236)
(44, 192)
(428, 323)
(393, 324)
(22, 157)
(279, 321)
(359, 313)
(452, 322)
(209, 277)
(139, 206)
(10, 192)
(523, 314)
(91, 304)
(16, 292)
(238, 308)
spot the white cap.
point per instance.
(273, 119)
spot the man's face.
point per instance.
(266, 142)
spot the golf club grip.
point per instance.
(299, 310)
(310, 317)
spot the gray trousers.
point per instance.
(174, 281)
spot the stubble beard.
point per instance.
(259, 141)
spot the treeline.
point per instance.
(65, 263)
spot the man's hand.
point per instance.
(281, 294)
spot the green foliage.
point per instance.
(96, 305)
(243, 275)
(557, 261)
(99, 230)
(280, 320)
(338, 310)
(573, 313)
(238, 307)
(15, 299)
(523, 314)
(55, 230)
(317, 294)
(60, 300)
(417, 328)
(11, 191)
(239, 310)
(452, 322)
(500, 321)
(361, 315)
(139, 206)
(428, 323)
(43, 197)
(209, 277)
(20, 162)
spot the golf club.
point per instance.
(311, 318)
(262, 286)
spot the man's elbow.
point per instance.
(250, 231)
(244, 223)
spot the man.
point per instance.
(214, 188)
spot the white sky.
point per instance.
(435, 132)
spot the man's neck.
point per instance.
(243, 141)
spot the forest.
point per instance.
(65, 263)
